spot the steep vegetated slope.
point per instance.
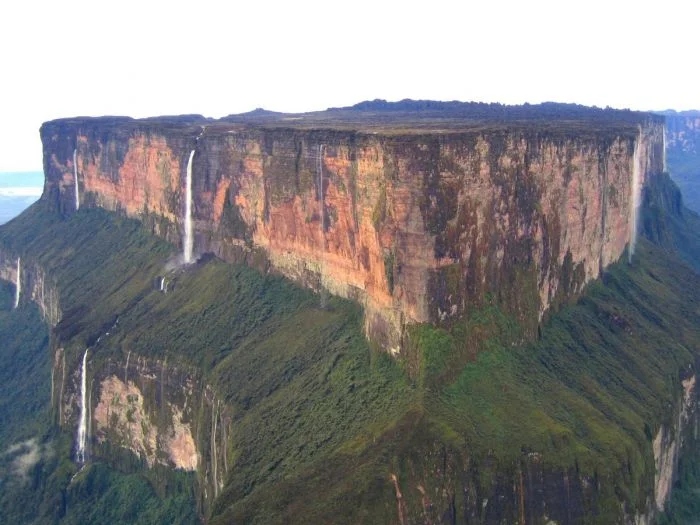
(24, 401)
(221, 390)
(24, 369)
(283, 366)
(324, 429)
(561, 428)
(39, 478)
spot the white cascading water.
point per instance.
(323, 222)
(187, 242)
(75, 178)
(82, 427)
(665, 167)
(320, 187)
(636, 196)
(214, 414)
(18, 287)
(126, 368)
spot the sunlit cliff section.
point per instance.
(418, 213)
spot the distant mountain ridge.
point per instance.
(683, 113)
(683, 153)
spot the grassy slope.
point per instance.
(589, 394)
(321, 422)
(48, 492)
(279, 360)
(25, 375)
(679, 232)
(24, 401)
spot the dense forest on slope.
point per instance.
(326, 428)
(40, 482)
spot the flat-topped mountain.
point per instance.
(419, 210)
(489, 320)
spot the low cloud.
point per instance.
(24, 455)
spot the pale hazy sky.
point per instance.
(143, 58)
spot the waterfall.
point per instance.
(224, 448)
(187, 243)
(126, 368)
(665, 166)
(320, 189)
(60, 390)
(323, 224)
(214, 414)
(75, 178)
(636, 196)
(82, 427)
(18, 287)
(162, 284)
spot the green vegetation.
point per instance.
(51, 491)
(24, 401)
(277, 359)
(602, 370)
(25, 375)
(684, 507)
(589, 395)
(36, 471)
(321, 425)
(99, 494)
(667, 223)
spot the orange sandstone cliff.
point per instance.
(417, 219)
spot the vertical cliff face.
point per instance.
(671, 441)
(418, 226)
(34, 285)
(529, 490)
(162, 414)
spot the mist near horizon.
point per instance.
(18, 191)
